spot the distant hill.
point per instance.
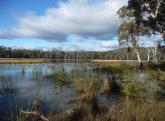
(118, 54)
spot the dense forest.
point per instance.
(118, 54)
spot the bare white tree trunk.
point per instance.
(148, 55)
(138, 55)
(127, 57)
(154, 51)
(157, 8)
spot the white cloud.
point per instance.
(81, 44)
(109, 45)
(84, 18)
(151, 41)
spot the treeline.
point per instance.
(119, 54)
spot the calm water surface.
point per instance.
(21, 84)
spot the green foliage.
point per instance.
(124, 12)
(60, 77)
(162, 76)
(75, 73)
(79, 73)
(149, 13)
(88, 87)
(126, 31)
(116, 67)
(20, 117)
(132, 90)
(7, 87)
(151, 75)
(7, 90)
(151, 90)
(118, 54)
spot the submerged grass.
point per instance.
(7, 87)
(60, 77)
(20, 117)
(7, 90)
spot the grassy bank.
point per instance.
(20, 60)
(116, 61)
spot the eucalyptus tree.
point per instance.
(150, 13)
(130, 30)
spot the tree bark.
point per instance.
(154, 51)
(148, 55)
(138, 55)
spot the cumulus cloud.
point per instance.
(84, 18)
(6, 34)
(73, 44)
(80, 44)
(111, 44)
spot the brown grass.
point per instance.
(132, 110)
(20, 60)
(129, 110)
(132, 62)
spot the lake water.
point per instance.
(21, 84)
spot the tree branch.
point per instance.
(157, 8)
(153, 15)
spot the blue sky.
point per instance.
(61, 24)
(10, 9)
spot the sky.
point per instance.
(62, 24)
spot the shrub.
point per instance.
(59, 77)
(132, 90)
(150, 90)
(162, 76)
(153, 90)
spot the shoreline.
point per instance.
(20, 60)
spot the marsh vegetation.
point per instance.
(82, 92)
